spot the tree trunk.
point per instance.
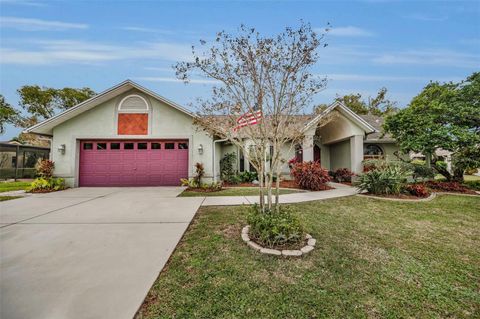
(442, 170)
(428, 160)
(277, 190)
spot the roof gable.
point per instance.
(46, 127)
(354, 117)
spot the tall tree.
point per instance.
(379, 105)
(44, 102)
(267, 74)
(445, 116)
(40, 103)
(8, 114)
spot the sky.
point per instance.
(400, 45)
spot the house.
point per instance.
(131, 136)
(18, 160)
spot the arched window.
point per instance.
(372, 151)
(133, 104)
(133, 114)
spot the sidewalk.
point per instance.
(340, 190)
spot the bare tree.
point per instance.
(269, 78)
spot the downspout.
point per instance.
(213, 166)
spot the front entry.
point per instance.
(317, 154)
(133, 162)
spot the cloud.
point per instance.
(146, 30)
(175, 80)
(69, 51)
(425, 17)
(24, 3)
(429, 57)
(387, 78)
(350, 31)
(26, 24)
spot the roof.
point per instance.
(354, 117)
(377, 123)
(46, 127)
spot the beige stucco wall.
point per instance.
(340, 155)
(100, 122)
(339, 128)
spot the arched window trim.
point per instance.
(382, 152)
(147, 110)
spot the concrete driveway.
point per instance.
(87, 252)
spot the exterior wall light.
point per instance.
(200, 149)
(61, 148)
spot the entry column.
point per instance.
(356, 153)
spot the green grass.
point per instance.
(4, 198)
(374, 259)
(233, 191)
(471, 178)
(13, 186)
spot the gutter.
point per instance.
(213, 151)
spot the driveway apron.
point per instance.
(87, 252)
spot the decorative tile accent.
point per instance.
(132, 124)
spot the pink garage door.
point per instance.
(133, 163)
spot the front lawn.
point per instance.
(13, 186)
(374, 258)
(233, 191)
(4, 198)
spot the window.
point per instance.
(183, 146)
(133, 104)
(298, 153)
(169, 146)
(87, 146)
(114, 146)
(156, 146)
(128, 146)
(101, 146)
(372, 151)
(142, 146)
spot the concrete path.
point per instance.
(340, 190)
(87, 252)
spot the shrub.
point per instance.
(342, 175)
(421, 170)
(212, 187)
(273, 229)
(471, 171)
(44, 168)
(472, 184)
(383, 180)
(227, 168)
(199, 173)
(418, 190)
(447, 186)
(248, 177)
(43, 185)
(310, 175)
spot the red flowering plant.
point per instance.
(418, 190)
(310, 175)
(292, 162)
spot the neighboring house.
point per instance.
(131, 136)
(18, 160)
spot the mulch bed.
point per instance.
(399, 196)
(283, 184)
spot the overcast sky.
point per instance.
(97, 44)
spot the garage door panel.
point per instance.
(117, 166)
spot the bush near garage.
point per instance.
(45, 185)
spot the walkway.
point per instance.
(340, 190)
